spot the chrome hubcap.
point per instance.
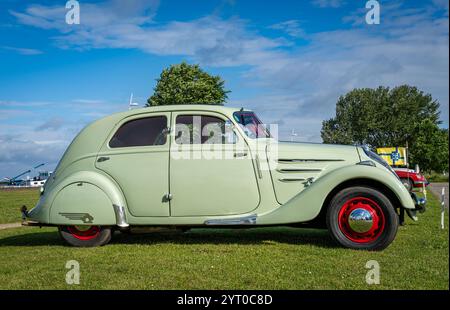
(360, 220)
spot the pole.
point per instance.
(406, 155)
(442, 207)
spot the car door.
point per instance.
(136, 156)
(211, 172)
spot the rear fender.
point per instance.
(83, 198)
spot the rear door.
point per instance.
(136, 156)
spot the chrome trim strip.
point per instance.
(281, 161)
(293, 170)
(258, 166)
(420, 182)
(366, 163)
(247, 220)
(292, 180)
(121, 219)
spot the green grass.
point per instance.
(11, 200)
(437, 177)
(261, 258)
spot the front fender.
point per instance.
(307, 205)
(85, 197)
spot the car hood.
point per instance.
(314, 152)
(293, 165)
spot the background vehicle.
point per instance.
(411, 178)
(397, 158)
(197, 165)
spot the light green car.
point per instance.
(184, 166)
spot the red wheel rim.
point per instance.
(368, 206)
(84, 232)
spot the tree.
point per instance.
(431, 147)
(391, 117)
(188, 84)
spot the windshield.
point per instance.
(251, 124)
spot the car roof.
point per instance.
(180, 107)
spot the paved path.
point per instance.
(10, 225)
(436, 188)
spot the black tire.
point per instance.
(85, 236)
(407, 183)
(185, 229)
(384, 223)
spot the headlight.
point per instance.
(375, 157)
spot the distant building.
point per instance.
(39, 180)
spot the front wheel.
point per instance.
(362, 218)
(85, 236)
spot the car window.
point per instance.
(251, 125)
(203, 129)
(141, 132)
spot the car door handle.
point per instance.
(102, 159)
(242, 154)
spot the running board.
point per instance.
(247, 220)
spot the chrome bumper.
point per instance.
(420, 203)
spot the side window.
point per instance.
(203, 129)
(141, 132)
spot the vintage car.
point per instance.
(411, 178)
(185, 166)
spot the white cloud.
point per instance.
(34, 132)
(301, 84)
(10, 113)
(101, 14)
(409, 47)
(291, 27)
(328, 3)
(210, 40)
(443, 4)
(23, 51)
(88, 101)
(19, 152)
(14, 104)
(53, 123)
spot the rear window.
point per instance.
(141, 132)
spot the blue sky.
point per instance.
(287, 60)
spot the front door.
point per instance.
(211, 170)
(137, 157)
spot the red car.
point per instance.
(410, 178)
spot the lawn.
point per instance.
(12, 199)
(260, 258)
(437, 177)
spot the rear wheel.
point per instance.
(407, 183)
(362, 218)
(85, 236)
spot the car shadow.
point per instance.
(315, 237)
(232, 236)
